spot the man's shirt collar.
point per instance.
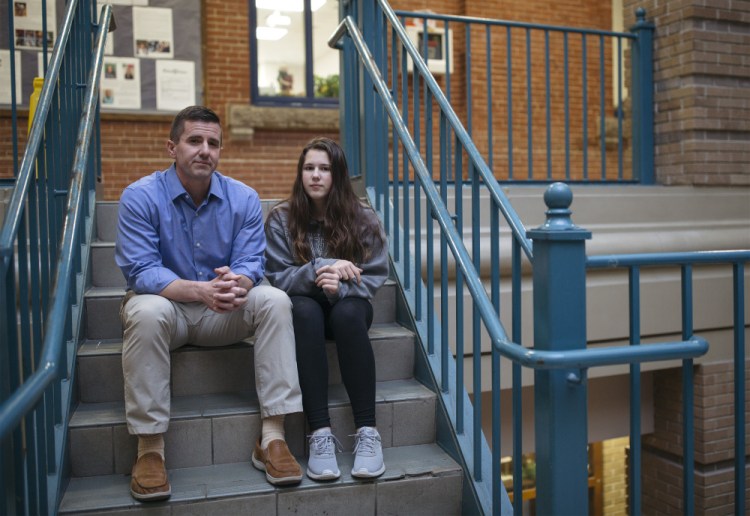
(175, 188)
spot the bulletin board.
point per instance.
(152, 63)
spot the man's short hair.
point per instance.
(193, 114)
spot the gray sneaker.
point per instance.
(322, 463)
(368, 459)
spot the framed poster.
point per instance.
(439, 47)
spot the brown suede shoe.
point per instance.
(278, 462)
(149, 481)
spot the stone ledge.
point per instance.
(244, 119)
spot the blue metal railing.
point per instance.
(552, 101)
(685, 262)
(396, 106)
(44, 246)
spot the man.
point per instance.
(190, 243)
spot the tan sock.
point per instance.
(272, 429)
(151, 443)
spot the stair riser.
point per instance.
(227, 369)
(201, 441)
(105, 272)
(414, 496)
(103, 319)
(106, 221)
(104, 450)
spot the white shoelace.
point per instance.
(324, 445)
(365, 442)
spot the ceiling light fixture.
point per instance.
(276, 19)
(270, 33)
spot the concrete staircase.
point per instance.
(215, 421)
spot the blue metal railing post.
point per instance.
(349, 116)
(643, 99)
(370, 132)
(559, 282)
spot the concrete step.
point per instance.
(222, 428)
(202, 370)
(102, 309)
(419, 480)
(215, 422)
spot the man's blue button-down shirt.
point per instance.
(162, 236)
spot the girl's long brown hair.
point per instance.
(345, 228)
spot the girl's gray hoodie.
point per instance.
(299, 279)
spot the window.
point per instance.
(292, 64)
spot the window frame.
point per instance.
(308, 101)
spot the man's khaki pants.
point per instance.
(153, 326)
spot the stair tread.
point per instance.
(216, 405)
(204, 483)
(105, 292)
(93, 347)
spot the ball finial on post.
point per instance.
(558, 197)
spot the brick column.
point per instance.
(702, 97)
(714, 443)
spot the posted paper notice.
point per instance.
(175, 85)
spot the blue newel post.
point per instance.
(642, 86)
(559, 325)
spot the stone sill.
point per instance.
(245, 119)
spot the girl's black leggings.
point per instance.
(347, 323)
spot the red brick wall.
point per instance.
(6, 143)
(226, 53)
(132, 147)
(702, 119)
(714, 442)
(594, 15)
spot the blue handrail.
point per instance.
(704, 257)
(475, 157)
(46, 234)
(510, 23)
(595, 357)
(443, 217)
(33, 388)
(527, 357)
(398, 221)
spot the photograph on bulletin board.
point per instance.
(153, 60)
